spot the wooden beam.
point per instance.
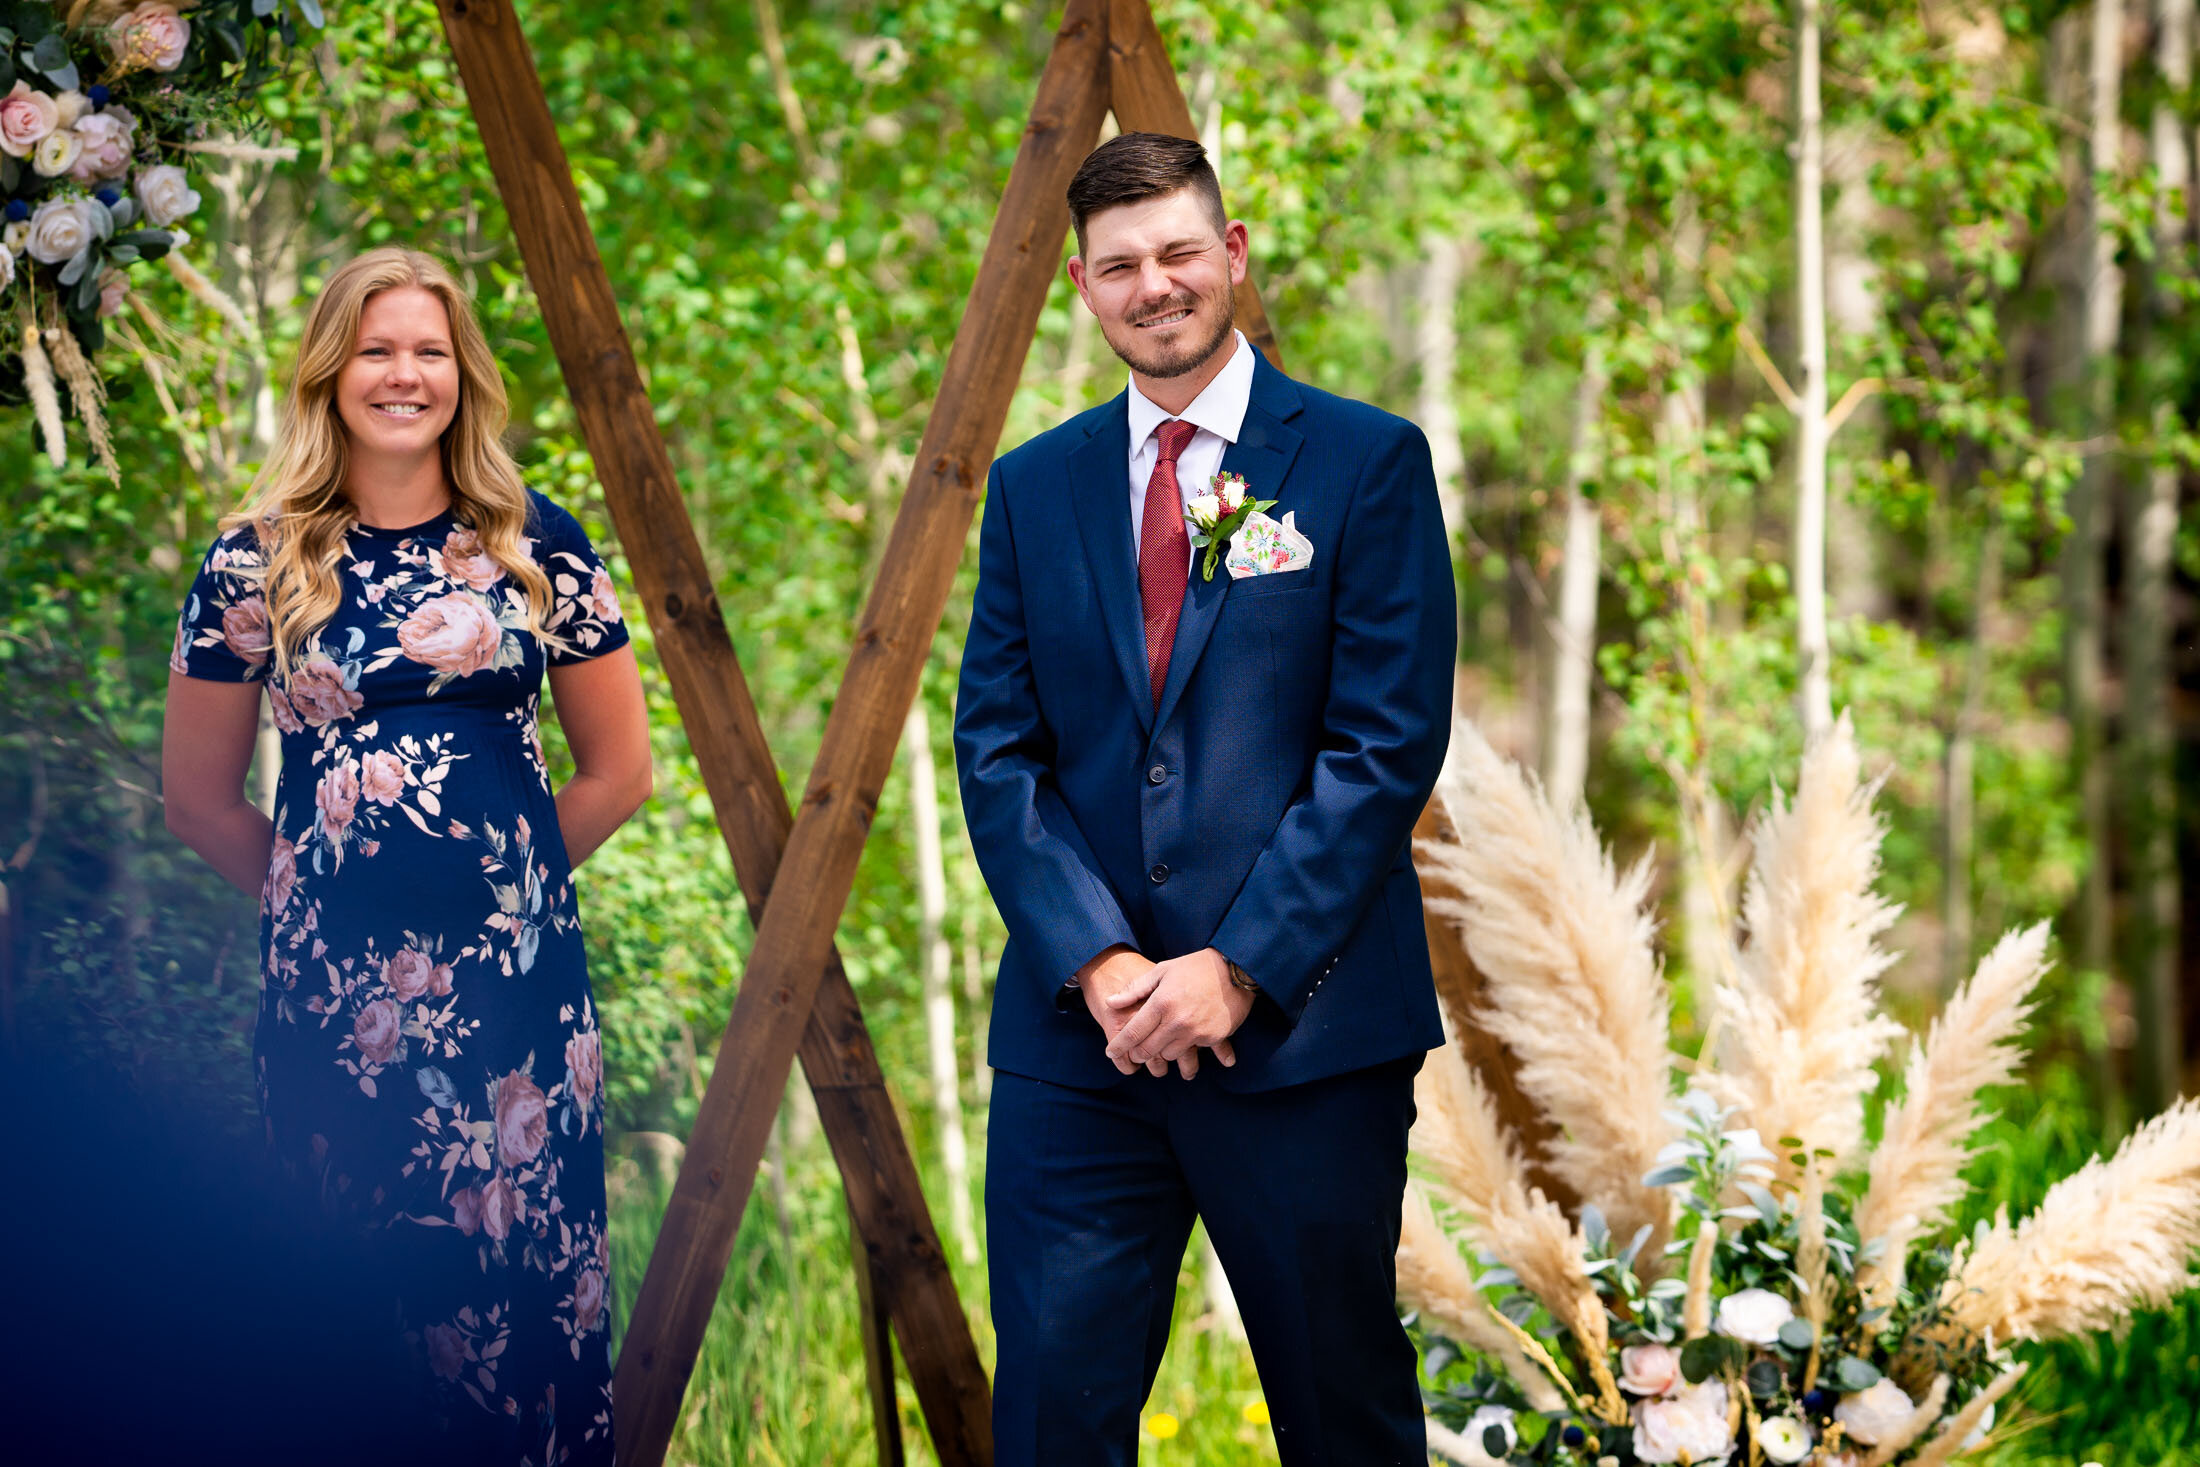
(794, 939)
(1145, 96)
(884, 1192)
(878, 1351)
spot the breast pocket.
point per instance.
(1275, 583)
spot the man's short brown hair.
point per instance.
(1138, 166)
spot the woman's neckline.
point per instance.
(401, 532)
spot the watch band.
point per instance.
(1239, 978)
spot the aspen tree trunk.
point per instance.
(2101, 292)
(1814, 691)
(1574, 632)
(936, 962)
(1436, 353)
(1960, 774)
(2150, 784)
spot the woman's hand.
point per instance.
(206, 745)
(599, 705)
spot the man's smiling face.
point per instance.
(1158, 276)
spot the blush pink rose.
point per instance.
(588, 1296)
(603, 597)
(584, 1057)
(245, 629)
(282, 877)
(27, 116)
(114, 289)
(501, 1207)
(453, 633)
(465, 561)
(377, 1030)
(446, 1349)
(108, 138)
(408, 973)
(1649, 1370)
(522, 1119)
(286, 717)
(466, 1210)
(338, 797)
(382, 777)
(153, 36)
(318, 693)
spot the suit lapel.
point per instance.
(1099, 485)
(1264, 452)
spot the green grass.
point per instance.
(780, 1380)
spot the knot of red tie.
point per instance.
(1173, 435)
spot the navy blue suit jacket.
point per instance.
(1266, 807)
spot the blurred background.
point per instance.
(1563, 238)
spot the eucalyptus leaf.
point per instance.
(1765, 1379)
(1667, 1176)
(1797, 1334)
(73, 269)
(1852, 1374)
(311, 10)
(1495, 1442)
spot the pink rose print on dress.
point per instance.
(382, 777)
(286, 715)
(446, 1350)
(176, 660)
(282, 877)
(377, 1030)
(501, 1207)
(454, 634)
(337, 797)
(245, 630)
(584, 1059)
(466, 1210)
(522, 1119)
(466, 561)
(410, 974)
(318, 693)
(588, 1300)
(603, 597)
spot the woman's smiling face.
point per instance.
(399, 391)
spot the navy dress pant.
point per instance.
(1090, 1197)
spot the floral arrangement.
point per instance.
(101, 104)
(1729, 1274)
(1218, 514)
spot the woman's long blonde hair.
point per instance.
(297, 505)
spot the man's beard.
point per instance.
(1163, 362)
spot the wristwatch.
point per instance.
(1239, 978)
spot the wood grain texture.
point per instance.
(793, 944)
(1145, 96)
(909, 1270)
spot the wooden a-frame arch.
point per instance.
(794, 995)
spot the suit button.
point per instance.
(1158, 875)
(1157, 774)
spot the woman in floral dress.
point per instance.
(427, 1048)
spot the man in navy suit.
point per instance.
(1193, 801)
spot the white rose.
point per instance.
(59, 229)
(1231, 495)
(1690, 1427)
(1649, 1370)
(1783, 1439)
(1754, 1315)
(1205, 508)
(165, 195)
(1485, 1417)
(7, 268)
(26, 116)
(57, 153)
(15, 236)
(1874, 1415)
(70, 106)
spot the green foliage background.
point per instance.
(792, 252)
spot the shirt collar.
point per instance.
(1219, 408)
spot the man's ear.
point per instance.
(1237, 244)
(1077, 278)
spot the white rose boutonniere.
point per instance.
(1218, 514)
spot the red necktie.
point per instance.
(1164, 553)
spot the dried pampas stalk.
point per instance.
(2111, 1237)
(1810, 1263)
(246, 152)
(1948, 1441)
(1927, 1411)
(1562, 938)
(1801, 1013)
(38, 382)
(209, 294)
(1460, 1134)
(1696, 1307)
(89, 394)
(1433, 1279)
(1916, 1174)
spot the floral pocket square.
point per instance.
(1265, 547)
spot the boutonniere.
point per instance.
(1220, 513)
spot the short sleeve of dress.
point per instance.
(222, 634)
(584, 606)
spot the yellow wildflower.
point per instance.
(1257, 1412)
(1161, 1426)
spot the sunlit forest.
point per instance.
(1716, 466)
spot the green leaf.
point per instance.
(1797, 1334)
(1706, 1355)
(1852, 1374)
(1494, 1442)
(311, 10)
(51, 57)
(1765, 1379)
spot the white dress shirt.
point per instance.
(1218, 413)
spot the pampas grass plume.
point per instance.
(1949, 1439)
(1916, 1175)
(1433, 1278)
(38, 382)
(2111, 1237)
(1801, 1013)
(1563, 941)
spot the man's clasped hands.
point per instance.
(1162, 1014)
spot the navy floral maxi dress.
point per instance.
(427, 1048)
